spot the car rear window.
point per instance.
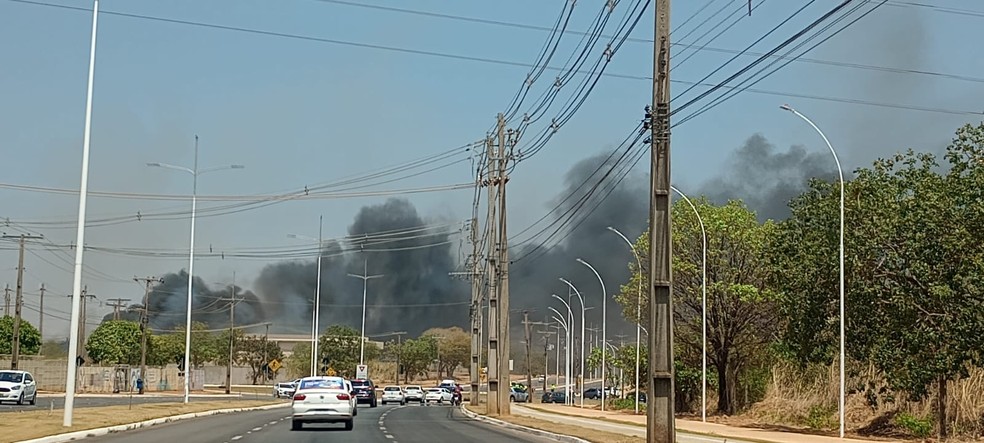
(392, 388)
(360, 383)
(322, 384)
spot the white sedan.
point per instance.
(438, 395)
(322, 400)
(393, 394)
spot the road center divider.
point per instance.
(539, 432)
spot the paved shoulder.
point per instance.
(255, 427)
(427, 424)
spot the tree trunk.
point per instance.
(941, 408)
(726, 400)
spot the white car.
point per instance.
(413, 393)
(393, 394)
(285, 390)
(323, 400)
(18, 386)
(438, 395)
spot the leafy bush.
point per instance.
(917, 427)
(820, 417)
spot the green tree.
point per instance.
(298, 364)
(416, 356)
(115, 342)
(915, 246)
(452, 348)
(164, 349)
(222, 346)
(256, 352)
(30, 338)
(341, 345)
(740, 311)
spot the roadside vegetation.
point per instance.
(914, 255)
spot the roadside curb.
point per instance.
(515, 427)
(78, 435)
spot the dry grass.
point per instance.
(27, 425)
(576, 431)
(808, 399)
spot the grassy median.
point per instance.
(27, 425)
(592, 435)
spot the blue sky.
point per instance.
(298, 112)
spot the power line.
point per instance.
(613, 75)
(850, 65)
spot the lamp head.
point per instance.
(786, 107)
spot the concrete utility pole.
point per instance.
(474, 275)
(6, 300)
(529, 359)
(660, 420)
(498, 361)
(116, 304)
(232, 333)
(15, 332)
(144, 324)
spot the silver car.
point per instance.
(323, 400)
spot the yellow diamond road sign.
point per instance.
(274, 365)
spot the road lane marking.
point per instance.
(237, 437)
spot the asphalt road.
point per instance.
(390, 424)
(46, 403)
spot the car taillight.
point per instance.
(300, 397)
(343, 396)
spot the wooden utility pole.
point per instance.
(529, 357)
(82, 314)
(117, 303)
(144, 325)
(660, 407)
(15, 332)
(41, 315)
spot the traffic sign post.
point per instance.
(361, 371)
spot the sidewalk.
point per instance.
(687, 430)
(147, 395)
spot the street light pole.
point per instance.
(703, 303)
(567, 350)
(604, 329)
(191, 255)
(840, 172)
(365, 283)
(581, 299)
(73, 329)
(638, 320)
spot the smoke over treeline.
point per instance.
(414, 292)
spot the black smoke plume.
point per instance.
(414, 292)
(766, 179)
(535, 273)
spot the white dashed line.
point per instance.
(389, 436)
(257, 429)
(237, 437)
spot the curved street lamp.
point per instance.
(703, 303)
(581, 299)
(841, 174)
(638, 319)
(567, 346)
(604, 328)
(316, 315)
(195, 172)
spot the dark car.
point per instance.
(553, 397)
(365, 391)
(592, 393)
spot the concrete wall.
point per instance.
(51, 375)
